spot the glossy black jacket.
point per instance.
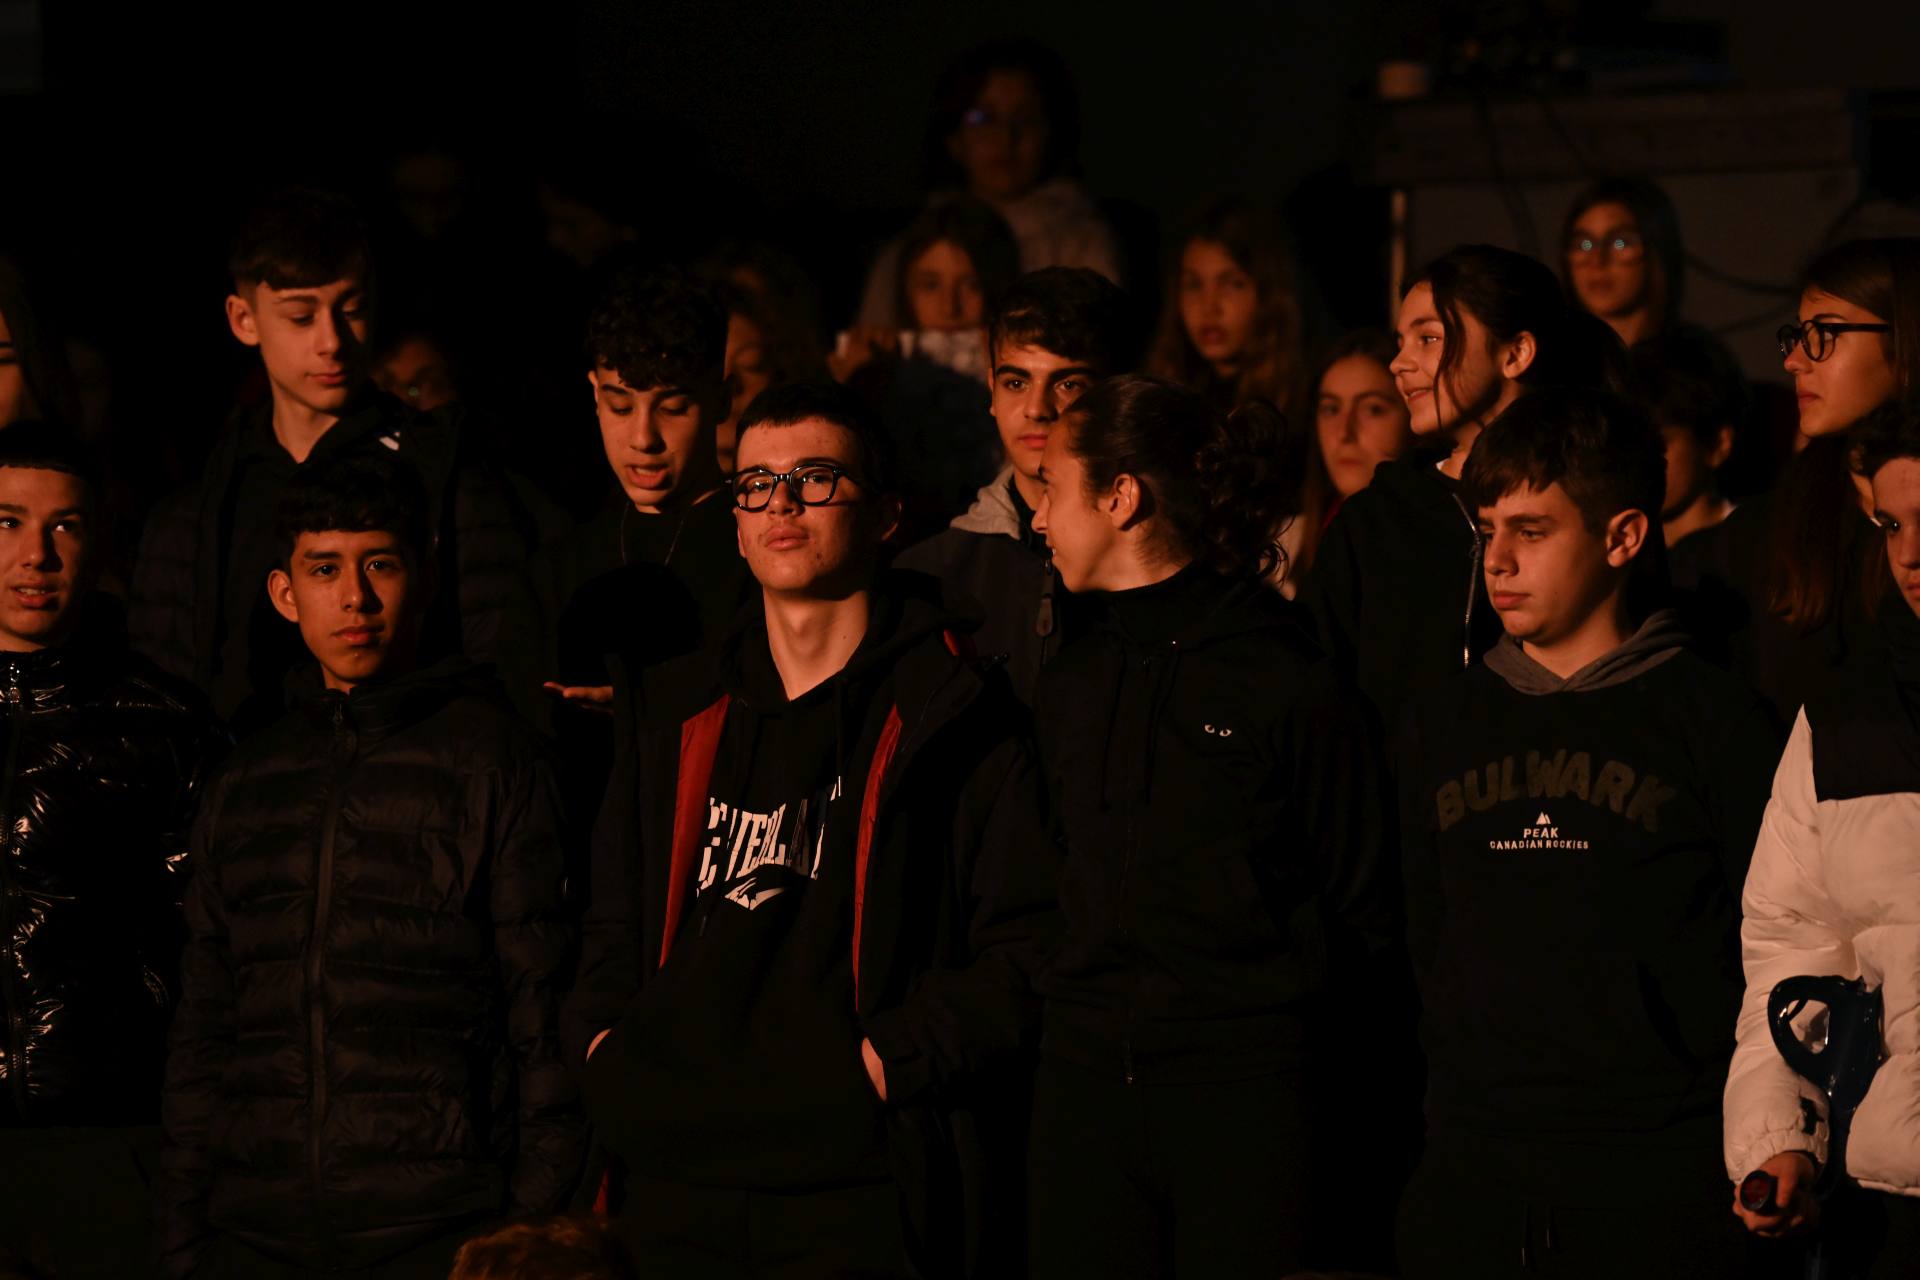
(101, 766)
(365, 1055)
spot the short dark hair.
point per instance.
(1688, 378)
(1601, 449)
(355, 493)
(298, 237)
(48, 446)
(783, 406)
(1887, 434)
(660, 327)
(1074, 312)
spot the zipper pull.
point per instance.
(1043, 620)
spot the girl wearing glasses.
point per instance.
(1624, 260)
(1779, 585)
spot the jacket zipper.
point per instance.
(16, 1041)
(340, 758)
(1473, 579)
(1126, 941)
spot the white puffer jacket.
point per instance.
(1834, 889)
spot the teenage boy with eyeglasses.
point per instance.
(821, 887)
(1577, 816)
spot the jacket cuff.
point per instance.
(909, 1073)
(1769, 1143)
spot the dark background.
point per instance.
(133, 132)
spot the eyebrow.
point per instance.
(800, 462)
(16, 509)
(307, 296)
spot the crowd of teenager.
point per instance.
(1011, 790)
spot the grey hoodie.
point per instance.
(1658, 639)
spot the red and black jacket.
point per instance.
(954, 892)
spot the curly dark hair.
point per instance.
(355, 493)
(1223, 483)
(299, 237)
(662, 328)
(1601, 449)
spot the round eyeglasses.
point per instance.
(810, 483)
(1816, 337)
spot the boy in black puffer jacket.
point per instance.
(365, 1065)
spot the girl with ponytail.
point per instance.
(1219, 800)
(1397, 590)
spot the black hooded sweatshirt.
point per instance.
(740, 1065)
(933, 963)
(1221, 802)
(1574, 854)
(1396, 589)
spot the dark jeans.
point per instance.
(1207, 1181)
(1484, 1209)
(75, 1202)
(713, 1233)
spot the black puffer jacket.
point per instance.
(486, 529)
(102, 766)
(366, 1051)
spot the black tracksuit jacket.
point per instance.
(1397, 590)
(1223, 809)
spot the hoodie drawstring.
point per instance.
(1473, 581)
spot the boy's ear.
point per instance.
(889, 508)
(240, 318)
(1626, 535)
(1722, 448)
(280, 592)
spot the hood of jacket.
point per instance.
(1659, 638)
(1414, 482)
(992, 511)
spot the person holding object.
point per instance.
(1831, 892)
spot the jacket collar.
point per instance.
(375, 710)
